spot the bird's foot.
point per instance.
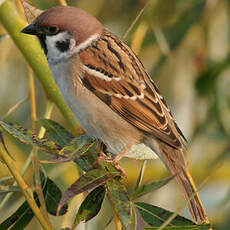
(113, 161)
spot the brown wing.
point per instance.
(115, 75)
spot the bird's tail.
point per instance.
(174, 160)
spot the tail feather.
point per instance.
(174, 160)
(196, 207)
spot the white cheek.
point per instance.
(53, 53)
(52, 50)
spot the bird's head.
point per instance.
(64, 31)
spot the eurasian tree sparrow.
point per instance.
(111, 94)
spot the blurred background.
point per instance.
(185, 46)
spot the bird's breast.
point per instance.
(95, 117)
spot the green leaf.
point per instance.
(24, 214)
(86, 161)
(52, 198)
(91, 205)
(77, 146)
(147, 188)
(30, 138)
(89, 180)
(20, 219)
(186, 227)
(156, 216)
(119, 199)
(52, 195)
(133, 218)
(56, 132)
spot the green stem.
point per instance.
(30, 48)
(27, 192)
(47, 115)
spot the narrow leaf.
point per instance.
(133, 219)
(86, 161)
(77, 146)
(23, 215)
(8, 188)
(119, 199)
(89, 180)
(30, 138)
(147, 188)
(20, 219)
(52, 197)
(56, 132)
(155, 216)
(56, 160)
(91, 205)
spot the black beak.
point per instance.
(31, 29)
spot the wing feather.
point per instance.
(120, 80)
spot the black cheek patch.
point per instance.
(63, 46)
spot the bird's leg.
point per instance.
(118, 157)
(115, 160)
(101, 150)
(121, 154)
(101, 154)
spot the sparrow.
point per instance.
(111, 94)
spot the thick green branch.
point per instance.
(32, 52)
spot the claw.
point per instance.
(104, 158)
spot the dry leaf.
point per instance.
(31, 12)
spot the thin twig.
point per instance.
(138, 37)
(13, 108)
(135, 20)
(161, 40)
(140, 177)
(27, 192)
(32, 97)
(41, 133)
(4, 179)
(35, 158)
(117, 221)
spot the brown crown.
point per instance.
(74, 20)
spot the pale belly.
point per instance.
(98, 120)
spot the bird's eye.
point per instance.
(51, 30)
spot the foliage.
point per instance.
(101, 177)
